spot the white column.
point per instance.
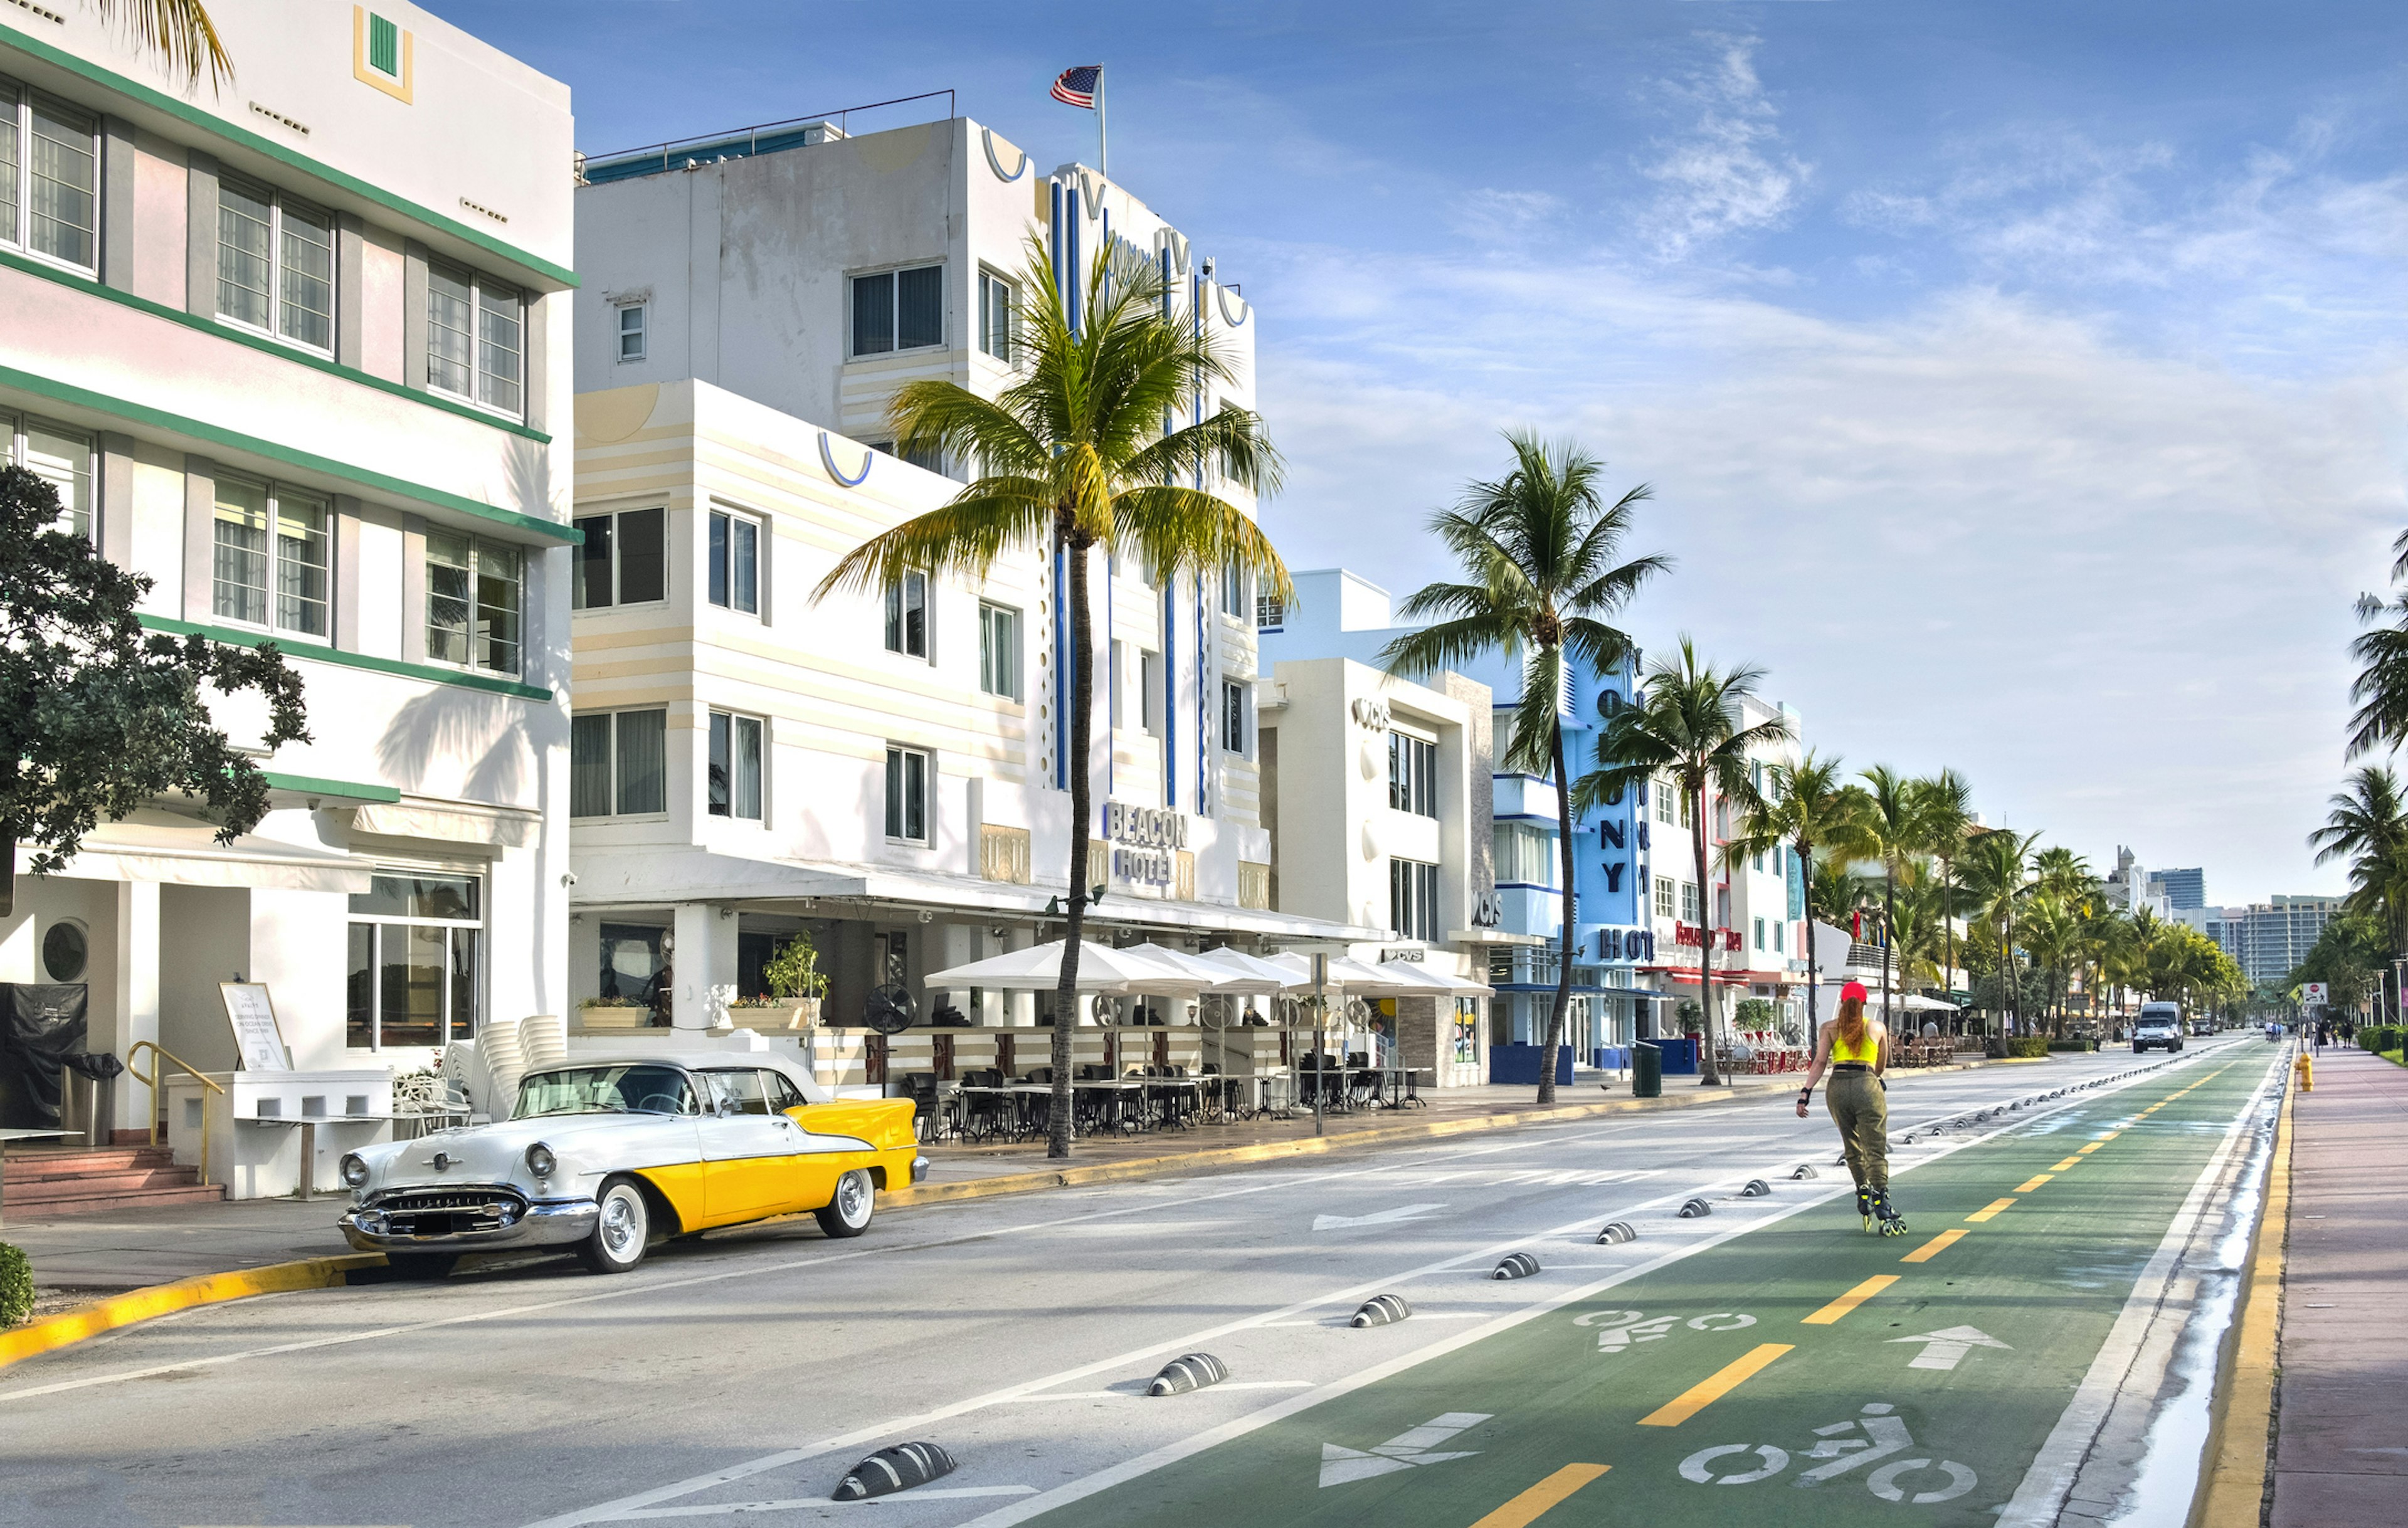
(703, 957)
(137, 1018)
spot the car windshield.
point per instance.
(634, 1089)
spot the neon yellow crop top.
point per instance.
(1865, 1053)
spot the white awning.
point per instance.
(500, 827)
(158, 846)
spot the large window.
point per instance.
(472, 602)
(1233, 592)
(276, 265)
(736, 562)
(907, 795)
(898, 310)
(50, 179)
(999, 306)
(907, 615)
(272, 561)
(1236, 717)
(1412, 775)
(735, 766)
(1413, 900)
(60, 457)
(622, 560)
(999, 651)
(1689, 904)
(1526, 854)
(617, 763)
(475, 338)
(413, 976)
(1664, 896)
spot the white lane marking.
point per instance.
(1378, 1216)
(2038, 1499)
(1946, 1348)
(802, 1504)
(1409, 1448)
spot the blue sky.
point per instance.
(2021, 383)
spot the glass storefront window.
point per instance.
(413, 976)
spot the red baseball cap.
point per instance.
(1854, 990)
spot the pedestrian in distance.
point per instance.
(1855, 1049)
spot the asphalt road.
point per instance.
(2040, 1340)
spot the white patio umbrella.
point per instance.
(1039, 969)
(1278, 979)
(1217, 975)
(1353, 977)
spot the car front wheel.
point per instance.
(620, 1231)
(848, 1214)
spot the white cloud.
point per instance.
(1727, 172)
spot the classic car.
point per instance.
(607, 1154)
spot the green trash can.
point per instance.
(1646, 1071)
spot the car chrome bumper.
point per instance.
(544, 1224)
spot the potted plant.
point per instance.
(795, 981)
(613, 1014)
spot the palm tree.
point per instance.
(1075, 458)
(179, 31)
(1996, 878)
(1807, 808)
(1893, 816)
(1835, 894)
(1945, 803)
(1688, 723)
(2368, 822)
(1540, 550)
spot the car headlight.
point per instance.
(354, 1171)
(540, 1160)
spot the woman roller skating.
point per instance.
(1855, 1051)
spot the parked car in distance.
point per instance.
(606, 1155)
(2159, 1027)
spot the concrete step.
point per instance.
(21, 1166)
(42, 1191)
(186, 1193)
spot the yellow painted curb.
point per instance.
(73, 1326)
(2241, 1450)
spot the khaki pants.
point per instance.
(1861, 1110)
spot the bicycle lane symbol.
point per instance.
(1619, 1330)
(1884, 1436)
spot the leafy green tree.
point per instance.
(1806, 806)
(1997, 878)
(179, 32)
(98, 717)
(1944, 802)
(1893, 815)
(1688, 723)
(1074, 457)
(2368, 823)
(1540, 549)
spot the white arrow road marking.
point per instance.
(1407, 1449)
(1946, 1348)
(1384, 1217)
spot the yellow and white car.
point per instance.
(607, 1154)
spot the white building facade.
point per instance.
(298, 352)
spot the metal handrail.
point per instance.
(152, 1083)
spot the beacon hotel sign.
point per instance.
(1144, 841)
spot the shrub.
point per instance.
(2028, 1047)
(16, 1286)
(2379, 1037)
(2073, 1045)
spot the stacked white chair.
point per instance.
(543, 1041)
(497, 1047)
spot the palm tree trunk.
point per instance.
(1065, 995)
(1709, 1074)
(1564, 972)
(1814, 976)
(1949, 929)
(1890, 931)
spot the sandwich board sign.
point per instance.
(256, 1038)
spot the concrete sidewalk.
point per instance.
(2341, 1452)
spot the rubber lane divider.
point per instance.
(1830, 1314)
(69, 1327)
(1988, 1211)
(2031, 1183)
(1936, 1246)
(1712, 1388)
(2240, 1447)
(1534, 1504)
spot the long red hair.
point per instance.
(1852, 1020)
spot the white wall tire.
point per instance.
(622, 1231)
(857, 1200)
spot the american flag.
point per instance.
(1077, 85)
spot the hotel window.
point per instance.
(1149, 691)
(735, 766)
(999, 651)
(1413, 900)
(1689, 901)
(1666, 794)
(622, 561)
(1778, 929)
(60, 458)
(1235, 720)
(472, 602)
(475, 338)
(734, 562)
(1526, 854)
(50, 179)
(617, 763)
(1760, 933)
(1412, 775)
(633, 334)
(1233, 592)
(1664, 896)
(272, 557)
(413, 979)
(276, 265)
(999, 306)
(907, 795)
(907, 615)
(898, 310)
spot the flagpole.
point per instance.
(1103, 145)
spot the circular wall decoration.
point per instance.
(65, 951)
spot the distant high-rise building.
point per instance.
(2182, 889)
(2268, 939)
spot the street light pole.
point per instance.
(1320, 1026)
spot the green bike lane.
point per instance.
(1802, 1368)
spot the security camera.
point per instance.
(926, 917)
(1208, 268)
(569, 877)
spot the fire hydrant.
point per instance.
(2306, 1068)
